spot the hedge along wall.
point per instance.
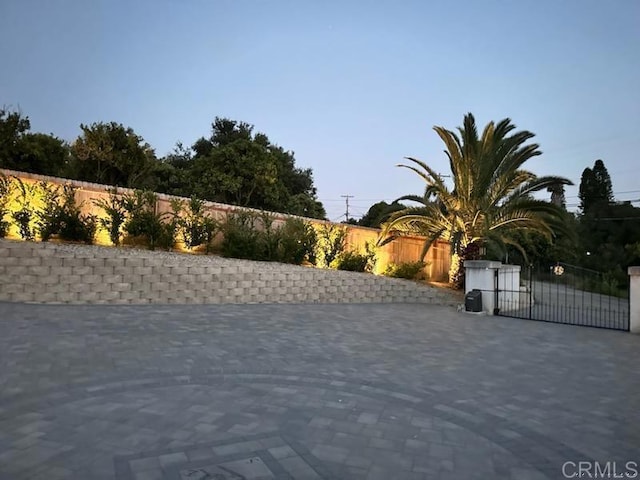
(405, 249)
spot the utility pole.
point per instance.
(346, 200)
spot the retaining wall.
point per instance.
(63, 273)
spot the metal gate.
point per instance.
(563, 293)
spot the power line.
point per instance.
(615, 218)
(615, 193)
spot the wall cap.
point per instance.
(634, 271)
(481, 264)
(513, 268)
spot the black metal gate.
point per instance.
(563, 293)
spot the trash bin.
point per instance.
(473, 301)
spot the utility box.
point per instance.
(473, 301)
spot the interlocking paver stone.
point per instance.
(308, 391)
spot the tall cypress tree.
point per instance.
(603, 181)
(595, 187)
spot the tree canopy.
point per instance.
(233, 165)
(595, 187)
(112, 154)
(236, 166)
(29, 152)
(378, 213)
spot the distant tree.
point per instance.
(595, 187)
(235, 166)
(29, 152)
(543, 251)
(378, 213)
(171, 173)
(557, 195)
(12, 128)
(44, 154)
(112, 154)
(609, 231)
(603, 180)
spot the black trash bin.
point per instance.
(473, 301)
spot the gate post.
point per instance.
(634, 299)
(481, 275)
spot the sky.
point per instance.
(352, 87)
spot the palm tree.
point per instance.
(491, 196)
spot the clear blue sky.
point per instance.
(351, 87)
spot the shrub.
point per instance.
(254, 237)
(6, 188)
(358, 262)
(297, 242)
(352, 261)
(241, 237)
(331, 243)
(61, 216)
(116, 215)
(144, 225)
(197, 228)
(23, 216)
(73, 224)
(48, 217)
(408, 270)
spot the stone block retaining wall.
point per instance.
(63, 273)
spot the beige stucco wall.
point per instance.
(406, 249)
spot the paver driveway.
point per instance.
(309, 391)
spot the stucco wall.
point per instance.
(406, 249)
(59, 273)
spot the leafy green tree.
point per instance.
(491, 195)
(541, 251)
(608, 232)
(595, 187)
(13, 126)
(172, 172)
(236, 166)
(112, 154)
(378, 213)
(43, 154)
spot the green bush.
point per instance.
(241, 237)
(197, 228)
(253, 237)
(116, 215)
(358, 262)
(61, 216)
(48, 217)
(408, 270)
(6, 188)
(352, 261)
(297, 242)
(144, 225)
(331, 243)
(24, 215)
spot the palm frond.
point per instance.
(491, 197)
